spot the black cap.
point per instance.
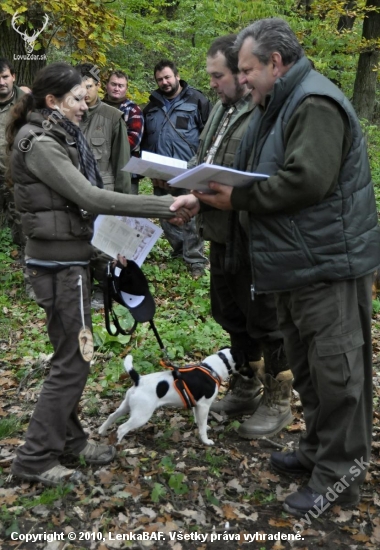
(132, 290)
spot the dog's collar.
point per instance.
(225, 361)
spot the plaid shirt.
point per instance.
(134, 120)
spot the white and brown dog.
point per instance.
(194, 386)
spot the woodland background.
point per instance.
(164, 479)
(341, 38)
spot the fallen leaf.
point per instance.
(234, 484)
(343, 516)
(376, 535)
(360, 537)
(229, 512)
(105, 476)
(148, 512)
(79, 512)
(12, 441)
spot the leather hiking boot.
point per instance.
(308, 502)
(57, 475)
(287, 463)
(273, 412)
(243, 396)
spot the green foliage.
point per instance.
(167, 465)
(176, 483)
(81, 29)
(184, 30)
(211, 497)
(372, 133)
(47, 498)
(9, 426)
(158, 492)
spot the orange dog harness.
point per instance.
(181, 386)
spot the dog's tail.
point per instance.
(128, 365)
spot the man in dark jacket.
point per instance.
(313, 240)
(174, 118)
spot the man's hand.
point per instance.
(162, 184)
(184, 205)
(221, 199)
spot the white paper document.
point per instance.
(199, 177)
(133, 238)
(155, 166)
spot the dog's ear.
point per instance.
(246, 370)
(239, 356)
(242, 363)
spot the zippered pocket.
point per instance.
(297, 234)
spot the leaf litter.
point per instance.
(164, 480)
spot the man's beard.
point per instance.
(172, 91)
(239, 93)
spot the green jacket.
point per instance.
(315, 218)
(4, 112)
(105, 131)
(213, 224)
(51, 194)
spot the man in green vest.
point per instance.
(104, 128)
(314, 241)
(105, 131)
(251, 324)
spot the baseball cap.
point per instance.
(130, 288)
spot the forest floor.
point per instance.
(165, 490)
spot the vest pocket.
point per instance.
(301, 241)
(97, 146)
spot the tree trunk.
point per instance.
(345, 21)
(12, 46)
(366, 74)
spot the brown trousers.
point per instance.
(54, 427)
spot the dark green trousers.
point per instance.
(327, 333)
(251, 324)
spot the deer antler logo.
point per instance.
(29, 40)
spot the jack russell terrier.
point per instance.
(193, 386)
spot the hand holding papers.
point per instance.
(199, 177)
(155, 166)
(131, 237)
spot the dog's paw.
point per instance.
(102, 430)
(208, 441)
(120, 435)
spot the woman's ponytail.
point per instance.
(18, 117)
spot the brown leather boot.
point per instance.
(244, 395)
(273, 412)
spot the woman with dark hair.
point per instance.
(56, 185)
